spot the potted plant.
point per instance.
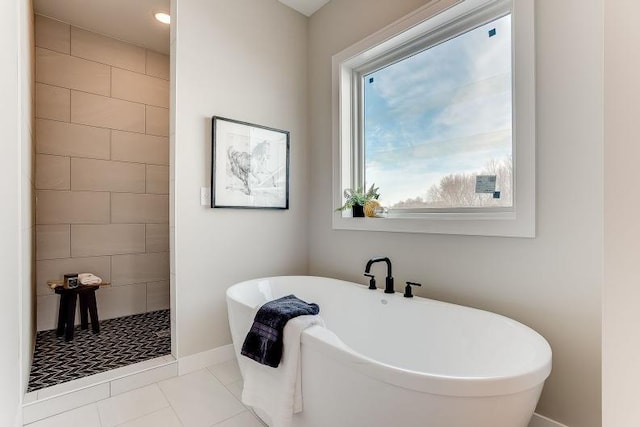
(356, 199)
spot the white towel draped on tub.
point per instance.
(278, 391)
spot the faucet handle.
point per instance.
(407, 290)
(372, 280)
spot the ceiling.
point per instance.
(132, 20)
(128, 20)
(306, 7)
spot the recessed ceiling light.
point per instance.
(163, 17)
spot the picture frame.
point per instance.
(250, 165)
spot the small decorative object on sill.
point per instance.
(357, 200)
(381, 212)
(370, 208)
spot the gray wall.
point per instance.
(245, 60)
(16, 216)
(27, 190)
(621, 293)
(551, 283)
(9, 217)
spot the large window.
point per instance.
(438, 111)
(437, 124)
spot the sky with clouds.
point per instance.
(442, 111)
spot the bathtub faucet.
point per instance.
(388, 288)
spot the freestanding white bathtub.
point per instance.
(384, 360)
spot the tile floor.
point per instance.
(208, 397)
(122, 341)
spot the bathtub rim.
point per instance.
(329, 344)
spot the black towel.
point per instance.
(264, 341)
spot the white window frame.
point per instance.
(439, 19)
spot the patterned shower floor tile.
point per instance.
(121, 342)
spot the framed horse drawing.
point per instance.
(250, 165)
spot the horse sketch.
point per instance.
(251, 168)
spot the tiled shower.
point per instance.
(102, 174)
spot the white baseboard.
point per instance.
(541, 421)
(206, 358)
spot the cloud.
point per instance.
(444, 110)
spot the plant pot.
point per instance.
(358, 211)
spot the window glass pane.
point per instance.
(436, 120)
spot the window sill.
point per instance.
(497, 225)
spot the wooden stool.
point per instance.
(67, 309)
(66, 312)
(87, 295)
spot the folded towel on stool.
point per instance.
(89, 279)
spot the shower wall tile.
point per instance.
(157, 238)
(52, 34)
(101, 168)
(56, 269)
(66, 139)
(103, 175)
(136, 147)
(129, 208)
(118, 301)
(53, 172)
(143, 268)
(158, 297)
(139, 88)
(72, 207)
(47, 312)
(157, 179)
(53, 102)
(109, 239)
(106, 50)
(112, 301)
(66, 71)
(52, 241)
(157, 65)
(102, 111)
(157, 120)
